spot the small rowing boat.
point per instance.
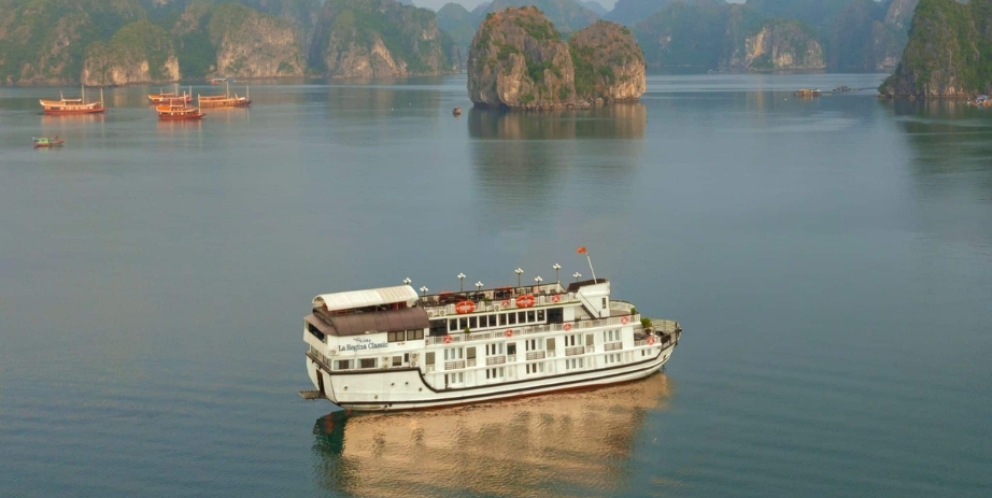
(48, 142)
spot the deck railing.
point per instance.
(613, 346)
(535, 355)
(575, 351)
(495, 305)
(500, 333)
(495, 360)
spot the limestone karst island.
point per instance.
(526, 54)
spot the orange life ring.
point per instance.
(463, 307)
(447, 339)
(624, 320)
(555, 298)
(509, 332)
(525, 301)
(650, 340)
(567, 327)
(506, 303)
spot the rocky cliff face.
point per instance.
(254, 45)
(518, 60)
(609, 65)
(375, 39)
(900, 14)
(139, 53)
(45, 42)
(948, 53)
(783, 45)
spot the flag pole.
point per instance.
(583, 250)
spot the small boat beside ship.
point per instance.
(390, 348)
(68, 107)
(178, 110)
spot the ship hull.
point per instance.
(392, 390)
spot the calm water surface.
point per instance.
(830, 261)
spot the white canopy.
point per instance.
(364, 298)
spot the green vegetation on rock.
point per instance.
(135, 46)
(949, 53)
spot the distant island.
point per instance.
(713, 35)
(118, 42)
(949, 54)
(519, 60)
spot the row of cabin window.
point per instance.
(496, 320)
(363, 363)
(406, 335)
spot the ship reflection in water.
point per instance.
(570, 443)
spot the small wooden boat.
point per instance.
(177, 110)
(68, 107)
(225, 100)
(48, 142)
(169, 97)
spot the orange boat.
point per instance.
(225, 100)
(65, 107)
(178, 109)
(169, 97)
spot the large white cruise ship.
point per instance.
(393, 349)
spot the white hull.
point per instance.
(393, 390)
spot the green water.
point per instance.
(829, 259)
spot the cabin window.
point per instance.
(397, 361)
(612, 359)
(556, 315)
(495, 373)
(530, 316)
(454, 354)
(492, 321)
(368, 362)
(551, 344)
(439, 327)
(511, 348)
(316, 332)
(522, 316)
(470, 353)
(414, 335)
(572, 340)
(532, 344)
(604, 303)
(453, 324)
(540, 315)
(473, 322)
(463, 323)
(429, 358)
(611, 336)
(495, 349)
(512, 318)
(535, 368)
(573, 363)
(397, 336)
(590, 340)
(502, 318)
(454, 378)
(342, 365)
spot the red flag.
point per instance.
(582, 250)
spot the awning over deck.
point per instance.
(365, 298)
(360, 323)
